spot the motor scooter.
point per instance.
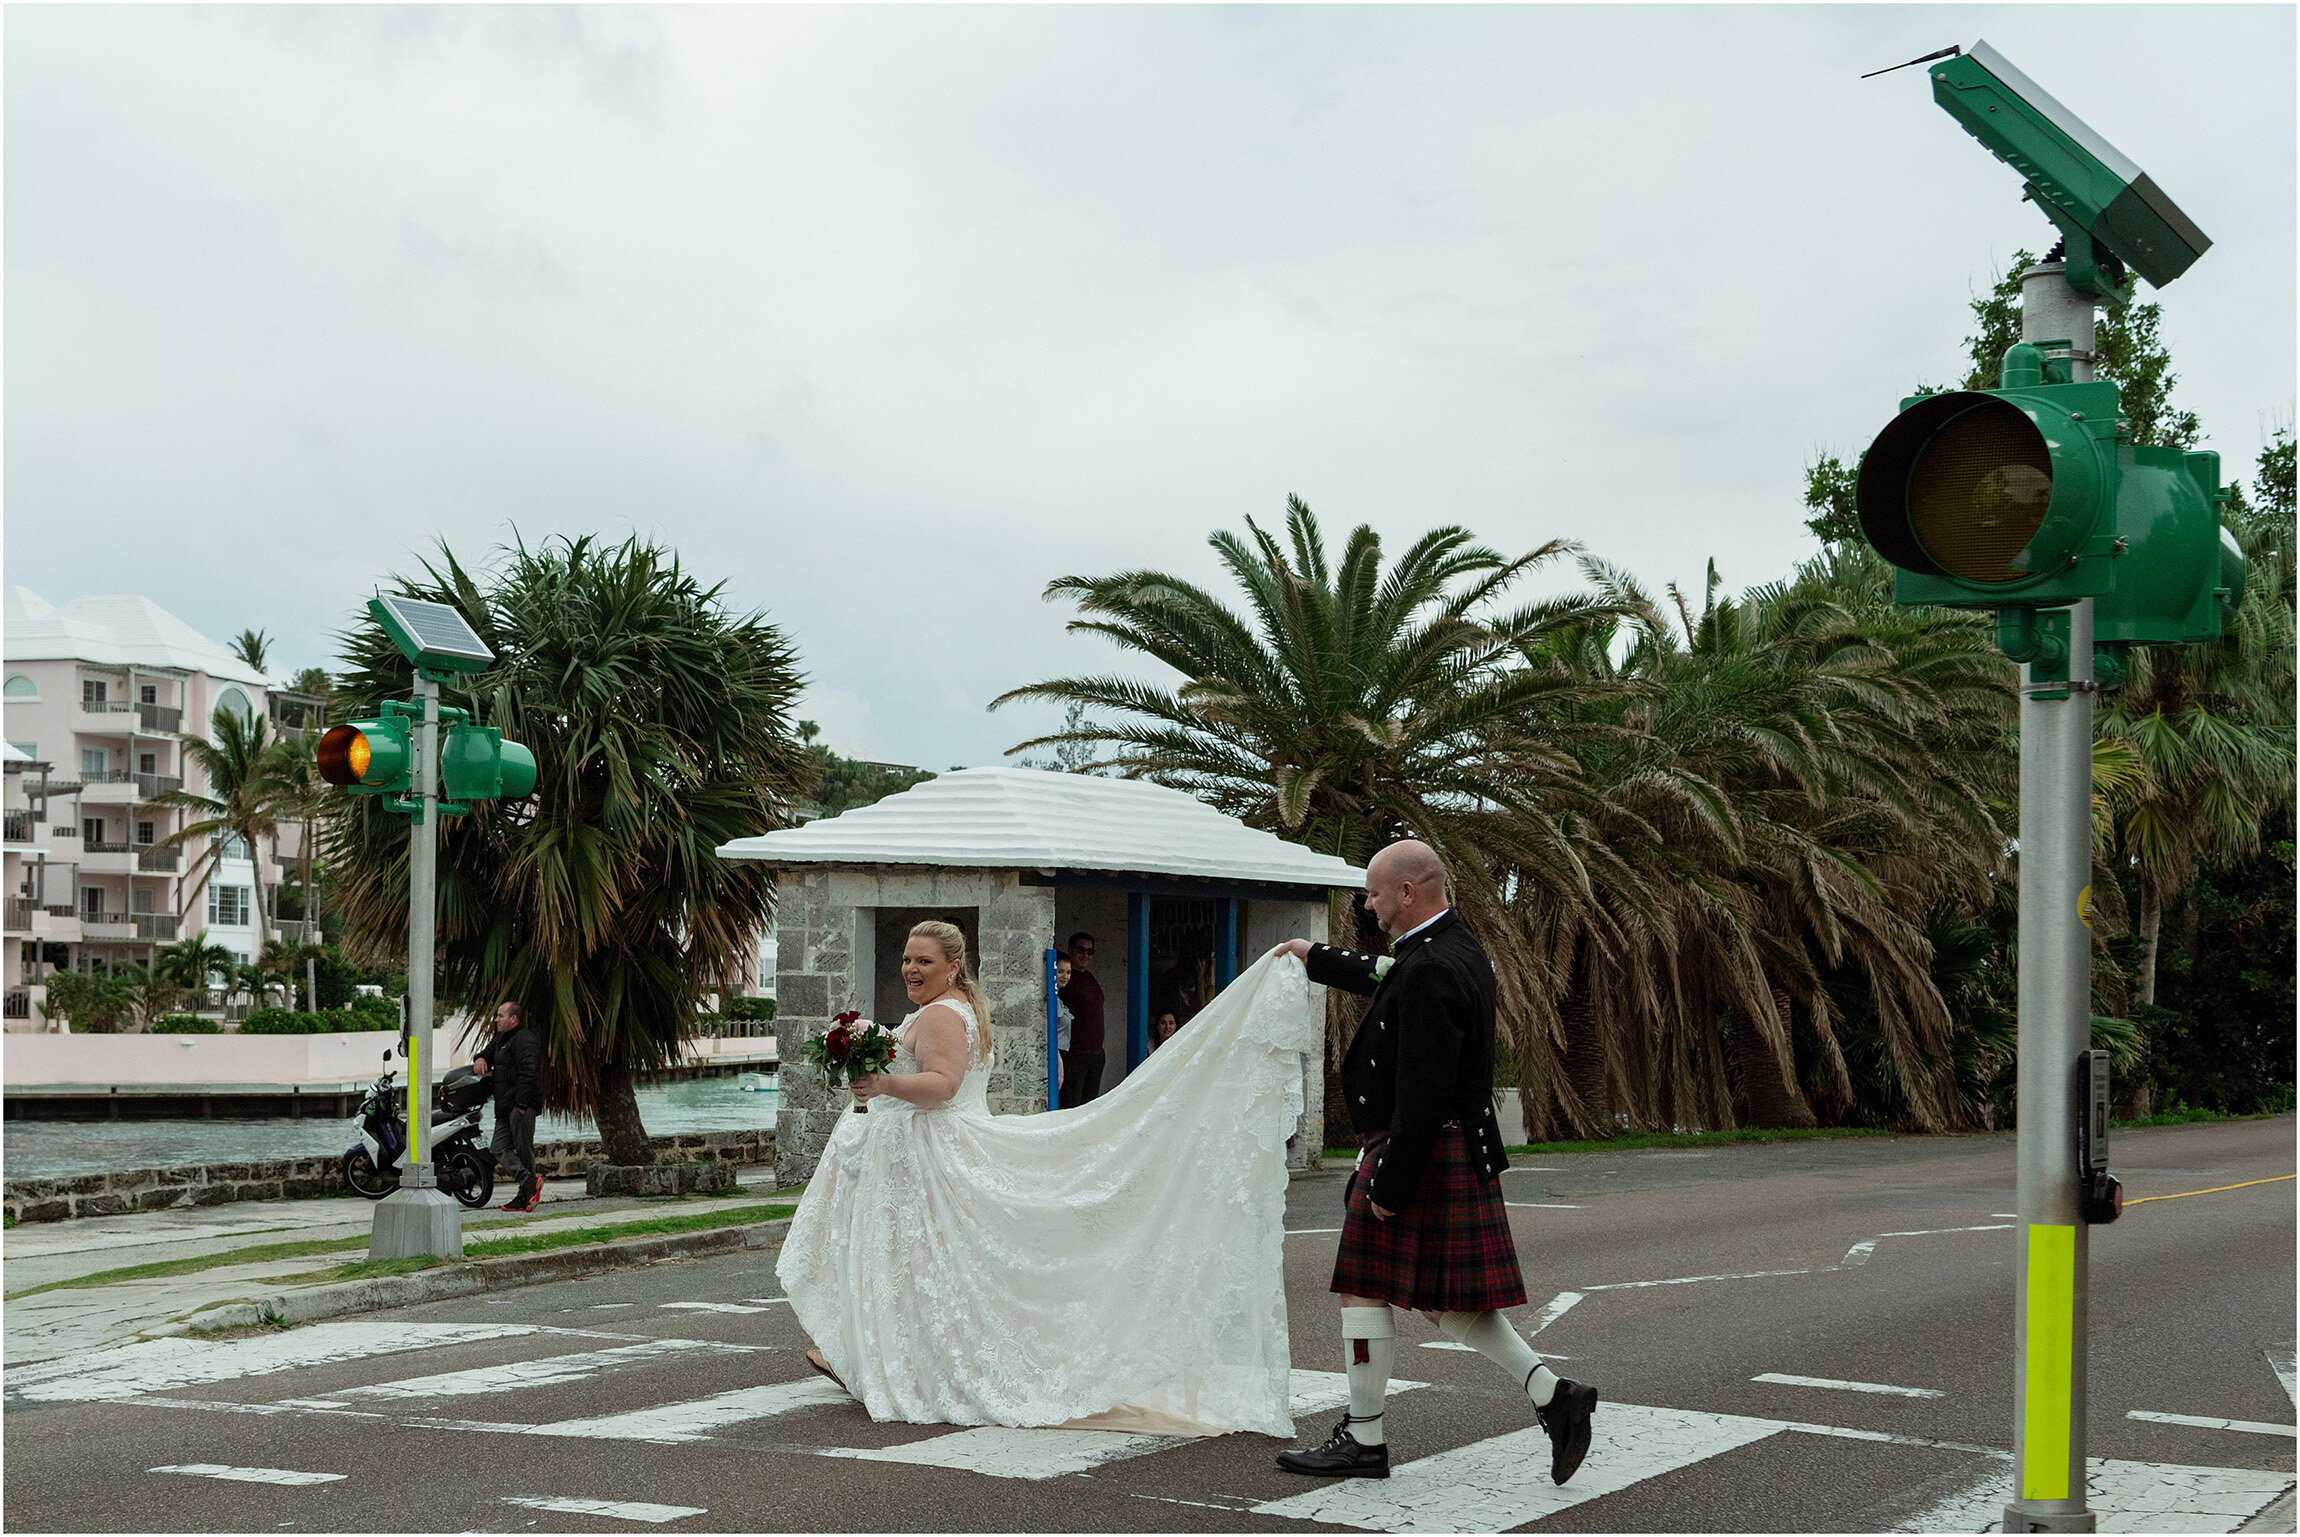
(464, 1166)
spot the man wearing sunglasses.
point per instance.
(1082, 1063)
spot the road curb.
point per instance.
(464, 1279)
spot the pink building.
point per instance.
(98, 693)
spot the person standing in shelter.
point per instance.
(1082, 1070)
(1063, 1020)
(514, 1060)
(1425, 1226)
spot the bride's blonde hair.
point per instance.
(951, 941)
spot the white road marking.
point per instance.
(693, 1420)
(626, 1510)
(156, 1366)
(601, 1307)
(1850, 1387)
(2280, 1362)
(513, 1375)
(767, 1302)
(1296, 1232)
(1315, 1392)
(1859, 1253)
(1001, 1451)
(1472, 1349)
(249, 1475)
(1503, 1482)
(1541, 1205)
(713, 1307)
(1557, 1307)
(1689, 1280)
(2124, 1496)
(2206, 1422)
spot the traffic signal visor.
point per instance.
(1993, 497)
(368, 757)
(476, 764)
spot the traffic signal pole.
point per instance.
(419, 1217)
(2051, 1310)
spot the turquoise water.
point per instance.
(49, 1149)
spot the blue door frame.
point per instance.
(1137, 978)
(1053, 1033)
(1225, 942)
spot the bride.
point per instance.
(1118, 1265)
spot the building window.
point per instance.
(92, 830)
(28, 749)
(147, 763)
(149, 693)
(145, 831)
(93, 762)
(21, 687)
(236, 847)
(91, 901)
(228, 906)
(94, 691)
(233, 700)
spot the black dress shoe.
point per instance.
(1566, 1417)
(1340, 1457)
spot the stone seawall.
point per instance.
(213, 1184)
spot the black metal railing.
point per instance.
(160, 717)
(100, 846)
(20, 911)
(17, 1004)
(19, 826)
(149, 785)
(160, 859)
(156, 925)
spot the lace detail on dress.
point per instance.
(956, 1267)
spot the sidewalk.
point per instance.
(76, 1318)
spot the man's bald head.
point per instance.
(1405, 886)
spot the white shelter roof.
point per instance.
(1030, 819)
(11, 753)
(117, 630)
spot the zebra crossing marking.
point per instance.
(625, 1510)
(547, 1371)
(1787, 1380)
(159, 1365)
(2206, 1422)
(713, 1307)
(248, 1475)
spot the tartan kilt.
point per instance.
(1449, 1252)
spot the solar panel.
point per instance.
(432, 634)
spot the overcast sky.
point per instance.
(885, 317)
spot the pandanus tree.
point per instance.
(1347, 706)
(660, 724)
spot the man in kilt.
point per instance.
(1425, 1227)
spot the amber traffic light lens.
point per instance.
(1978, 493)
(344, 755)
(357, 756)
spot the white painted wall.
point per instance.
(144, 1060)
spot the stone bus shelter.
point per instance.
(1178, 896)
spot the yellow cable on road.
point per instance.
(2215, 1190)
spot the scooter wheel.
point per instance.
(359, 1172)
(468, 1177)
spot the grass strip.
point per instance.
(485, 1248)
(2184, 1115)
(539, 1243)
(1631, 1141)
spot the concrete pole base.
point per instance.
(417, 1218)
(2020, 1518)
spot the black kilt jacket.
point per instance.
(1423, 1055)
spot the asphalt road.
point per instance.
(676, 1396)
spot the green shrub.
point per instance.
(382, 1013)
(305, 1022)
(187, 1024)
(751, 1008)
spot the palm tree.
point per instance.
(660, 724)
(1348, 707)
(301, 795)
(2209, 730)
(254, 648)
(241, 805)
(194, 963)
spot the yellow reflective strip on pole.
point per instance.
(2049, 1382)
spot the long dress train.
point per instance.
(1127, 1255)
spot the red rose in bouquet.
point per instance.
(852, 1047)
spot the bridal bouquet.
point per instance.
(851, 1047)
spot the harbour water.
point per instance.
(51, 1149)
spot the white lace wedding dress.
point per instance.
(1121, 1261)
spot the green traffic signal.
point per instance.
(367, 757)
(476, 764)
(2029, 496)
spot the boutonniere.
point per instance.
(1382, 965)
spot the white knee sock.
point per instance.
(1369, 1349)
(1490, 1335)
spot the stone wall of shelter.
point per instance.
(826, 962)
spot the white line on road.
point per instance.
(767, 1302)
(1850, 1387)
(155, 1366)
(2206, 1422)
(1541, 1205)
(249, 1475)
(2124, 1496)
(627, 1510)
(1557, 1307)
(694, 1420)
(1688, 1280)
(1297, 1232)
(713, 1307)
(512, 1375)
(1500, 1483)
(1472, 1349)
(2280, 1362)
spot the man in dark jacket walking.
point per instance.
(1425, 1227)
(514, 1059)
